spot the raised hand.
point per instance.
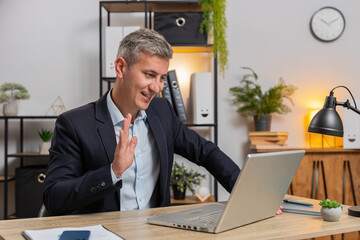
(124, 151)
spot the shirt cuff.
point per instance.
(113, 177)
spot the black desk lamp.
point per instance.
(327, 121)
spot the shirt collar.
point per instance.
(115, 113)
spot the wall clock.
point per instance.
(327, 24)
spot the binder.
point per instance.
(176, 96)
(166, 91)
(301, 209)
(113, 36)
(201, 98)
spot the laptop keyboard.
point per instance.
(211, 218)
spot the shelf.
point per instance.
(148, 9)
(200, 125)
(193, 49)
(109, 79)
(27, 117)
(28, 154)
(152, 6)
(10, 178)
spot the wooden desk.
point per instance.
(190, 200)
(133, 225)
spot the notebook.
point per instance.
(256, 195)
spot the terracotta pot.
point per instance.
(331, 214)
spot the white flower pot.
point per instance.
(10, 108)
(44, 147)
(331, 214)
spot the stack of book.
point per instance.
(267, 140)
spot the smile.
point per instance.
(148, 96)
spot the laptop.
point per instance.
(257, 194)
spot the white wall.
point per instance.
(52, 47)
(274, 38)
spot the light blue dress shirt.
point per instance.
(138, 181)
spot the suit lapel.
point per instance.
(106, 129)
(156, 129)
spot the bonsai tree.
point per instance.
(214, 24)
(183, 179)
(45, 135)
(254, 101)
(12, 91)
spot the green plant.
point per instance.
(12, 90)
(253, 101)
(184, 178)
(45, 135)
(329, 204)
(214, 24)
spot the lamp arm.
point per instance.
(348, 106)
(345, 104)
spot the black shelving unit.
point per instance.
(20, 155)
(148, 8)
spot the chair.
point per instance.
(43, 212)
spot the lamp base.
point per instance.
(354, 211)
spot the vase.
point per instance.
(10, 108)
(44, 147)
(331, 214)
(262, 123)
(178, 195)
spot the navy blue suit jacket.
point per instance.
(79, 179)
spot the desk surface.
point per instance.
(132, 225)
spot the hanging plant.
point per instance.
(214, 24)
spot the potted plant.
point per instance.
(214, 24)
(9, 93)
(183, 178)
(45, 135)
(331, 210)
(261, 104)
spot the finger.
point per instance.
(126, 124)
(133, 143)
(281, 208)
(122, 138)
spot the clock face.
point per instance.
(327, 24)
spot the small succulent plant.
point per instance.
(45, 135)
(329, 204)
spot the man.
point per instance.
(117, 153)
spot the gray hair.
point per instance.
(143, 41)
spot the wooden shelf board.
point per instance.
(10, 178)
(153, 6)
(192, 49)
(28, 154)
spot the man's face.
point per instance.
(142, 82)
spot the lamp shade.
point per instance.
(327, 121)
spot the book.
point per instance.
(267, 139)
(301, 209)
(96, 232)
(166, 91)
(267, 134)
(176, 96)
(268, 142)
(266, 146)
